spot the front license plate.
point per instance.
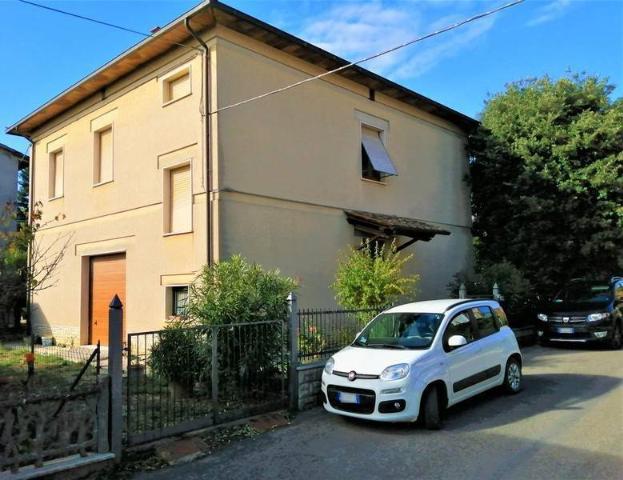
(348, 397)
(566, 330)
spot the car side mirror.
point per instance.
(456, 341)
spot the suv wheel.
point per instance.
(430, 410)
(616, 341)
(513, 378)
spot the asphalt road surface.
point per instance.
(567, 423)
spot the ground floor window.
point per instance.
(179, 301)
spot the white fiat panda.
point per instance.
(414, 360)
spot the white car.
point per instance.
(414, 360)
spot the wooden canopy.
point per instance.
(383, 226)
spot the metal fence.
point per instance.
(324, 332)
(185, 378)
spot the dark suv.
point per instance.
(584, 311)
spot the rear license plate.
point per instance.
(347, 397)
(566, 330)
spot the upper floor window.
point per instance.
(177, 85)
(178, 200)
(376, 163)
(57, 167)
(103, 162)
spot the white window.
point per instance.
(57, 167)
(178, 200)
(103, 161)
(375, 161)
(177, 85)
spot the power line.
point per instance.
(107, 24)
(371, 57)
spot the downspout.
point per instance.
(206, 136)
(31, 190)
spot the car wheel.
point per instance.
(513, 378)
(616, 340)
(431, 414)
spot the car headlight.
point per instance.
(542, 317)
(595, 317)
(328, 367)
(395, 372)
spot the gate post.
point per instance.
(115, 371)
(293, 328)
(214, 372)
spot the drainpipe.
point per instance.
(206, 136)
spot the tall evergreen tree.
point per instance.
(547, 180)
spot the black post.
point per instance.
(115, 371)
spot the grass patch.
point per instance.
(52, 372)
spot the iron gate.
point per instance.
(180, 379)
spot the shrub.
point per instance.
(516, 290)
(236, 291)
(372, 276)
(182, 356)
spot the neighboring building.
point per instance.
(151, 189)
(11, 163)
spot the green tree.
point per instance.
(547, 180)
(372, 276)
(27, 263)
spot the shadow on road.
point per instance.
(541, 393)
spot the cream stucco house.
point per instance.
(153, 180)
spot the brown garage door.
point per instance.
(107, 279)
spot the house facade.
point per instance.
(151, 176)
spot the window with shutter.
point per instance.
(103, 156)
(180, 202)
(56, 174)
(176, 86)
(375, 160)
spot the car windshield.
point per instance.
(585, 292)
(400, 331)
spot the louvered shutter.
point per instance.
(181, 200)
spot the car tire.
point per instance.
(616, 340)
(431, 411)
(513, 380)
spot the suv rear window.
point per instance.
(485, 321)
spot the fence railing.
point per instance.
(324, 332)
(50, 426)
(184, 378)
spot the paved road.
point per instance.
(566, 424)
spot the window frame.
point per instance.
(52, 169)
(173, 289)
(493, 317)
(171, 76)
(445, 337)
(97, 157)
(167, 200)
